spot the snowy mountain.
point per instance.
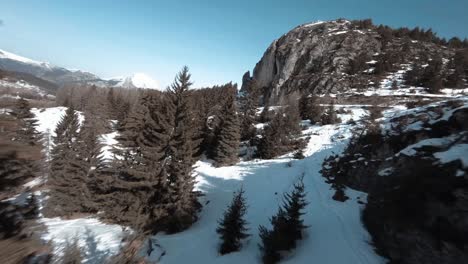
(43, 70)
(137, 80)
(62, 76)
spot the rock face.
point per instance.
(318, 58)
(312, 57)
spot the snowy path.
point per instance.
(336, 234)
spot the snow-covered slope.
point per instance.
(8, 55)
(335, 233)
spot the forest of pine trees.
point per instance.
(149, 184)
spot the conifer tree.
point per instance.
(67, 179)
(134, 177)
(27, 132)
(287, 225)
(281, 134)
(248, 110)
(232, 228)
(330, 116)
(305, 106)
(183, 203)
(228, 138)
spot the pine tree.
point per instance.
(27, 132)
(248, 110)
(329, 116)
(183, 203)
(232, 228)
(67, 177)
(281, 134)
(228, 137)
(287, 226)
(132, 188)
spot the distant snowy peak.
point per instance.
(137, 80)
(8, 55)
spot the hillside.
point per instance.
(373, 122)
(336, 56)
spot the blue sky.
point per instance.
(218, 40)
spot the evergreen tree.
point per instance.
(265, 115)
(310, 108)
(130, 187)
(287, 226)
(67, 177)
(228, 138)
(248, 110)
(27, 132)
(183, 203)
(330, 116)
(281, 134)
(232, 228)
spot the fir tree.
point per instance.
(67, 177)
(287, 226)
(281, 134)
(248, 110)
(228, 138)
(27, 132)
(330, 116)
(183, 203)
(232, 228)
(135, 175)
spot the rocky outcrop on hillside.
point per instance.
(415, 170)
(331, 57)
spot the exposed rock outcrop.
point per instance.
(330, 57)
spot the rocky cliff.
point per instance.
(330, 57)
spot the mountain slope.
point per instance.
(62, 76)
(334, 56)
(137, 80)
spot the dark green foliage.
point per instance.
(287, 226)
(228, 138)
(281, 134)
(248, 109)
(67, 177)
(27, 124)
(330, 116)
(459, 64)
(358, 64)
(430, 77)
(232, 228)
(183, 204)
(151, 186)
(310, 108)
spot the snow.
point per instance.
(137, 80)
(8, 55)
(334, 226)
(108, 141)
(385, 172)
(33, 183)
(21, 85)
(411, 150)
(313, 24)
(107, 238)
(337, 32)
(456, 152)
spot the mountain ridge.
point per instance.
(62, 76)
